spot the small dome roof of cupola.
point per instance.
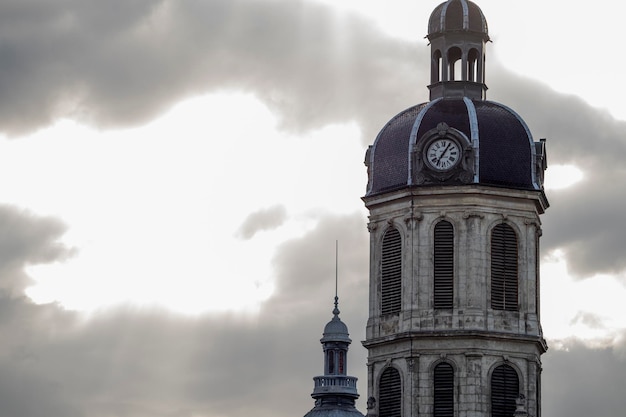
(457, 15)
(336, 330)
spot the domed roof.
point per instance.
(334, 411)
(502, 145)
(336, 331)
(456, 15)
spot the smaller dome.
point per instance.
(336, 331)
(334, 410)
(457, 15)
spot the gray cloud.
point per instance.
(123, 62)
(132, 362)
(585, 220)
(26, 239)
(582, 381)
(140, 362)
(590, 320)
(265, 219)
(119, 63)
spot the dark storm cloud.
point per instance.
(26, 239)
(581, 381)
(265, 219)
(586, 220)
(121, 62)
(138, 363)
(131, 362)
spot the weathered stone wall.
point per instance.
(472, 337)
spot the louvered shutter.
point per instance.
(504, 391)
(444, 391)
(391, 282)
(444, 265)
(390, 394)
(504, 280)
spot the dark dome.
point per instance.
(455, 15)
(503, 145)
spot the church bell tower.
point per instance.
(454, 193)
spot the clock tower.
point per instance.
(454, 193)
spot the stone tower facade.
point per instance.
(455, 191)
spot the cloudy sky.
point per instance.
(174, 175)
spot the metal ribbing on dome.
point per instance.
(389, 162)
(455, 15)
(503, 145)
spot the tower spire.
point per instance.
(335, 392)
(336, 310)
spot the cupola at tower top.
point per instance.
(335, 392)
(458, 137)
(457, 31)
(457, 15)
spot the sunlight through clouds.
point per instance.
(562, 176)
(590, 309)
(156, 211)
(174, 176)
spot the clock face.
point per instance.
(443, 154)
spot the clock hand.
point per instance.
(443, 153)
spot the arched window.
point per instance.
(390, 394)
(330, 360)
(444, 390)
(472, 66)
(504, 391)
(436, 73)
(342, 365)
(444, 265)
(391, 273)
(504, 280)
(455, 64)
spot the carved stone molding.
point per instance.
(413, 219)
(472, 214)
(534, 222)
